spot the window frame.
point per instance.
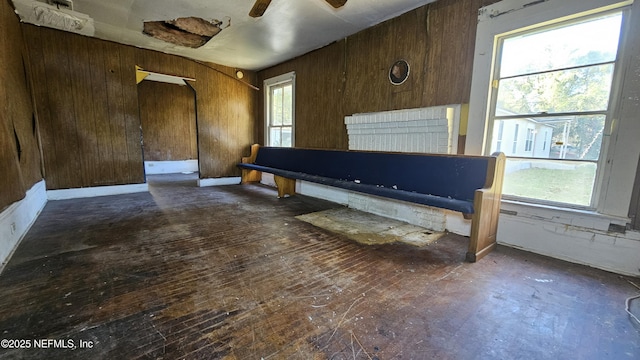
(492, 117)
(516, 16)
(269, 84)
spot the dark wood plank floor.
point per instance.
(229, 273)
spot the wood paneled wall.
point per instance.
(19, 150)
(351, 76)
(168, 127)
(88, 106)
(226, 110)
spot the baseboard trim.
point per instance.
(17, 219)
(219, 181)
(170, 167)
(65, 194)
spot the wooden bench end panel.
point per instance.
(252, 157)
(249, 175)
(486, 203)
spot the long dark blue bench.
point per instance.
(471, 185)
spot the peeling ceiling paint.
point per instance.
(191, 32)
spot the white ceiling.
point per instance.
(289, 28)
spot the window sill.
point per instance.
(567, 216)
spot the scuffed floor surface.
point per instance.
(370, 229)
(230, 273)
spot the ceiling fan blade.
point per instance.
(336, 3)
(259, 8)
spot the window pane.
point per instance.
(588, 42)
(274, 137)
(584, 89)
(577, 137)
(549, 78)
(276, 104)
(286, 136)
(287, 102)
(568, 182)
(279, 97)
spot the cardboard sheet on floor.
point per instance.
(370, 229)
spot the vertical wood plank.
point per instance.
(131, 118)
(34, 40)
(63, 124)
(98, 82)
(83, 109)
(115, 109)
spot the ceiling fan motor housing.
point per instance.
(260, 6)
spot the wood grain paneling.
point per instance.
(226, 110)
(225, 133)
(11, 179)
(168, 127)
(19, 149)
(88, 104)
(351, 76)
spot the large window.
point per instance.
(279, 110)
(554, 82)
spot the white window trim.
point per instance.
(516, 15)
(277, 80)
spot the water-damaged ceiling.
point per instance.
(288, 28)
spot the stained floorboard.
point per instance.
(229, 273)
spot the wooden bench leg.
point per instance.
(285, 185)
(251, 176)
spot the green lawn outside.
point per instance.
(558, 185)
